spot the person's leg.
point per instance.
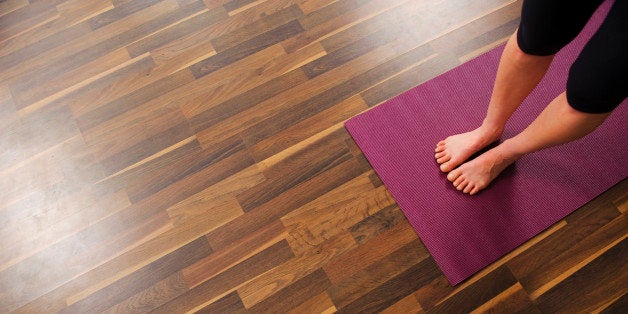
(546, 26)
(559, 123)
(598, 78)
(596, 85)
(518, 73)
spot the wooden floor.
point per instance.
(186, 155)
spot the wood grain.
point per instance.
(180, 156)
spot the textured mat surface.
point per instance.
(466, 233)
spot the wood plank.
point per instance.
(331, 19)
(222, 85)
(11, 5)
(127, 102)
(314, 188)
(14, 52)
(118, 12)
(415, 75)
(38, 173)
(378, 223)
(131, 130)
(48, 93)
(310, 6)
(512, 300)
(617, 306)
(327, 99)
(317, 124)
(257, 28)
(222, 208)
(366, 280)
(269, 283)
(392, 18)
(478, 293)
(574, 258)
(47, 269)
(175, 31)
(325, 80)
(434, 292)
(195, 179)
(364, 256)
(245, 120)
(486, 41)
(152, 297)
(8, 118)
(204, 34)
(215, 3)
(26, 17)
(475, 28)
(618, 198)
(79, 11)
(203, 201)
(329, 215)
(230, 303)
(234, 5)
(570, 294)
(279, 206)
(329, 12)
(245, 49)
(65, 217)
(323, 155)
(377, 182)
(229, 280)
(39, 132)
(318, 304)
(116, 222)
(80, 50)
(171, 59)
(441, 287)
(151, 167)
(247, 246)
(246, 100)
(345, 90)
(158, 142)
(294, 294)
(394, 289)
(408, 304)
(181, 233)
(107, 88)
(26, 89)
(531, 266)
(143, 278)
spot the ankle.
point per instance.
(492, 130)
(511, 150)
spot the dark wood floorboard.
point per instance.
(180, 156)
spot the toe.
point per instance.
(439, 148)
(443, 159)
(462, 185)
(453, 175)
(439, 155)
(469, 188)
(474, 191)
(458, 181)
(448, 165)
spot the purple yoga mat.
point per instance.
(466, 233)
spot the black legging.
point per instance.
(598, 79)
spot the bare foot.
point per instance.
(456, 149)
(475, 175)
